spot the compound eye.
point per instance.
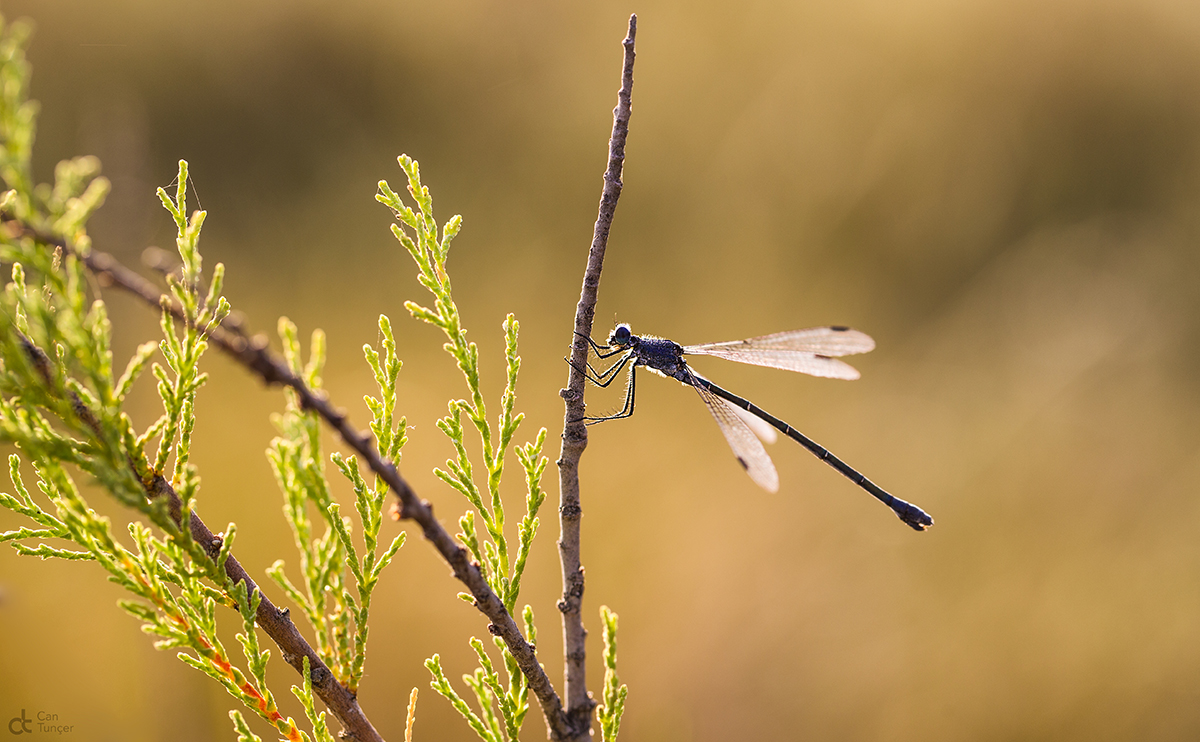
(621, 335)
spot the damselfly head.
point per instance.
(621, 337)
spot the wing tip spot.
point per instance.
(742, 461)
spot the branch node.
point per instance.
(319, 675)
(407, 512)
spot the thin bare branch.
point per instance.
(574, 439)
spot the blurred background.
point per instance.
(1003, 194)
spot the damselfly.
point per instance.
(809, 351)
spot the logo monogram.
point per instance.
(24, 724)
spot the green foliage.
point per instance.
(242, 728)
(339, 620)
(18, 115)
(442, 685)
(305, 694)
(491, 551)
(609, 713)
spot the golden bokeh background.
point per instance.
(1003, 194)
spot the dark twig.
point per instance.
(254, 354)
(574, 439)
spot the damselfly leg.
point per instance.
(600, 350)
(605, 378)
(627, 410)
